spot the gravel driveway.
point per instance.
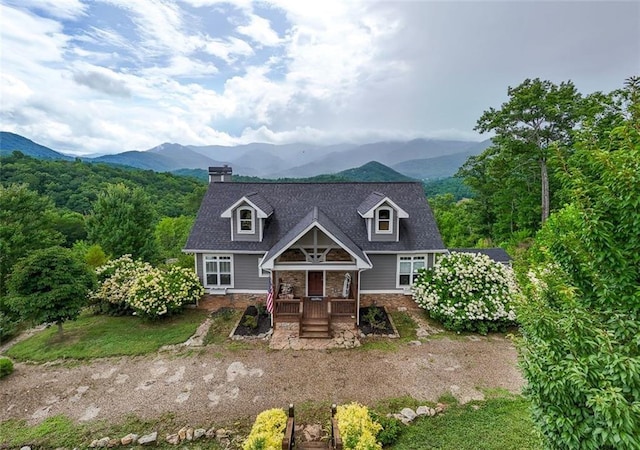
(214, 385)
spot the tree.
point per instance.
(122, 222)
(50, 285)
(580, 319)
(171, 234)
(538, 118)
(26, 220)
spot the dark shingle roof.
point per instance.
(260, 202)
(372, 200)
(291, 202)
(497, 254)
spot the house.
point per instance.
(325, 248)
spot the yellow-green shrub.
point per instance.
(267, 431)
(357, 429)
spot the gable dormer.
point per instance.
(247, 217)
(382, 216)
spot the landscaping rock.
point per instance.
(422, 410)
(189, 434)
(222, 434)
(440, 407)
(414, 343)
(100, 443)
(113, 443)
(409, 413)
(173, 439)
(211, 433)
(129, 439)
(198, 433)
(182, 433)
(26, 447)
(148, 438)
(312, 432)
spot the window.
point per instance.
(246, 221)
(408, 269)
(383, 221)
(217, 270)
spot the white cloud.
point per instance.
(259, 29)
(62, 9)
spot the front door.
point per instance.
(315, 284)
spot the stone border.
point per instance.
(260, 337)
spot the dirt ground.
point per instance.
(216, 386)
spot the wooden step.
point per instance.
(315, 334)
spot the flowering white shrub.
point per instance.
(116, 279)
(127, 285)
(157, 293)
(467, 292)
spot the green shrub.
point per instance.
(8, 325)
(6, 367)
(116, 279)
(467, 292)
(357, 429)
(391, 429)
(267, 431)
(250, 321)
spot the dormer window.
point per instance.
(246, 221)
(384, 220)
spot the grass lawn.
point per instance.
(98, 336)
(502, 423)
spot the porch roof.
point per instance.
(316, 217)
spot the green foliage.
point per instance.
(100, 336)
(267, 431)
(450, 185)
(374, 317)
(71, 225)
(75, 185)
(580, 350)
(458, 221)
(390, 431)
(8, 324)
(467, 292)
(95, 256)
(357, 429)
(122, 222)
(171, 234)
(6, 367)
(250, 321)
(26, 220)
(50, 285)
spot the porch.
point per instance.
(316, 315)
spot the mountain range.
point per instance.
(418, 158)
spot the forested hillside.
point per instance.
(74, 185)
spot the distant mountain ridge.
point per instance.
(418, 158)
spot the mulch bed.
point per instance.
(264, 323)
(382, 322)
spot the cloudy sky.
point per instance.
(105, 76)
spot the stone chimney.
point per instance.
(220, 174)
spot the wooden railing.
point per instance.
(288, 441)
(336, 439)
(343, 307)
(287, 307)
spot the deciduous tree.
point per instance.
(50, 285)
(122, 222)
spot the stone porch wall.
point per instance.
(333, 284)
(297, 279)
(391, 301)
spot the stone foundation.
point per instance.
(391, 301)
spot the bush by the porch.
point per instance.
(267, 431)
(467, 292)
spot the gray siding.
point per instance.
(383, 274)
(245, 273)
(254, 237)
(385, 237)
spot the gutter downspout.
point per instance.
(358, 300)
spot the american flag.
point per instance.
(270, 297)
